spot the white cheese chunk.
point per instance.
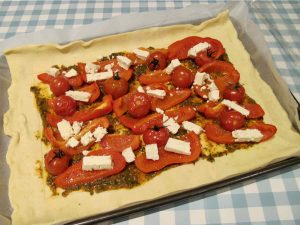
(99, 133)
(91, 77)
(171, 125)
(165, 118)
(178, 146)
(124, 62)
(103, 162)
(52, 71)
(173, 64)
(192, 127)
(65, 129)
(140, 89)
(91, 68)
(200, 78)
(214, 95)
(87, 138)
(152, 152)
(236, 107)
(198, 48)
(72, 142)
(85, 152)
(128, 155)
(142, 54)
(76, 126)
(108, 67)
(247, 135)
(71, 73)
(157, 93)
(159, 110)
(212, 86)
(79, 95)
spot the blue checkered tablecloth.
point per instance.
(269, 199)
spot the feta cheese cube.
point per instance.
(108, 67)
(192, 127)
(76, 126)
(165, 118)
(212, 86)
(65, 129)
(173, 64)
(200, 78)
(140, 89)
(91, 68)
(85, 152)
(178, 146)
(128, 155)
(142, 54)
(214, 95)
(79, 95)
(198, 48)
(72, 142)
(172, 125)
(157, 93)
(52, 71)
(247, 135)
(124, 62)
(71, 73)
(91, 77)
(152, 152)
(103, 162)
(160, 111)
(99, 133)
(87, 138)
(236, 107)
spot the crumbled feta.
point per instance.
(103, 162)
(236, 107)
(99, 133)
(87, 138)
(192, 127)
(91, 68)
(247, 135)
(200, 78)
(52, 71)
(173, 64)
(71, 73)
(85, 152)
(76, 126)
(65, 129)
(91, 77)
(198, 48)
(157, 93)
(124, 62)
(214, 95)
(165, 118)
(178, 146)
(82, 96)
(108, 67)
(212, 86)
(140, 89)
(160, 111)
(152, 152)
(172, 125)
(142, 54)
(72, 142)
(128, 155)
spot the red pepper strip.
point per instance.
(268, 130)
(255, 110)
(211, 110)
(93, 89)
(158, 76)
(183, 113)
(45, 78)
(120, 104)
(217, 134)
(74, 175)
(169, 158)
(118, 142)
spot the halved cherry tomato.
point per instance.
(75, 82)
(139, 105)
(64, 105)
(256, 111)
(45, 78)
(234, 92)
(59, 85)
(232, 120)
(116, 86)
(217, 134)
(93, 89)
(156, 135)
(74, 175)
(156, 61)
(118, 142)
(57, 161)
(182, 114)
(268, 130)
(211, 110)
(168, 158)
(159, 76)
(172, 98)
(182, 77)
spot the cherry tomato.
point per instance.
(156, 135)
(64, 105)
(139, 105)
(56, 161)
(59, 85)
(232, 120)
(116, 86)
(156, 61)
(234, 92)
(182, 77)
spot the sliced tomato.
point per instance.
(45, 78)
(217, 134)
(184, 113)
(93, 89)
(168, 158)
(256, 111)
(203, 93)
(97, 110)
(158, 76)
(211, 110)
(179, 49)
(268, 130)
(172, 98)
(74, 175)
(226, 73)
(118, 142)
(120, 104)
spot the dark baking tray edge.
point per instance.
(186, 194)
